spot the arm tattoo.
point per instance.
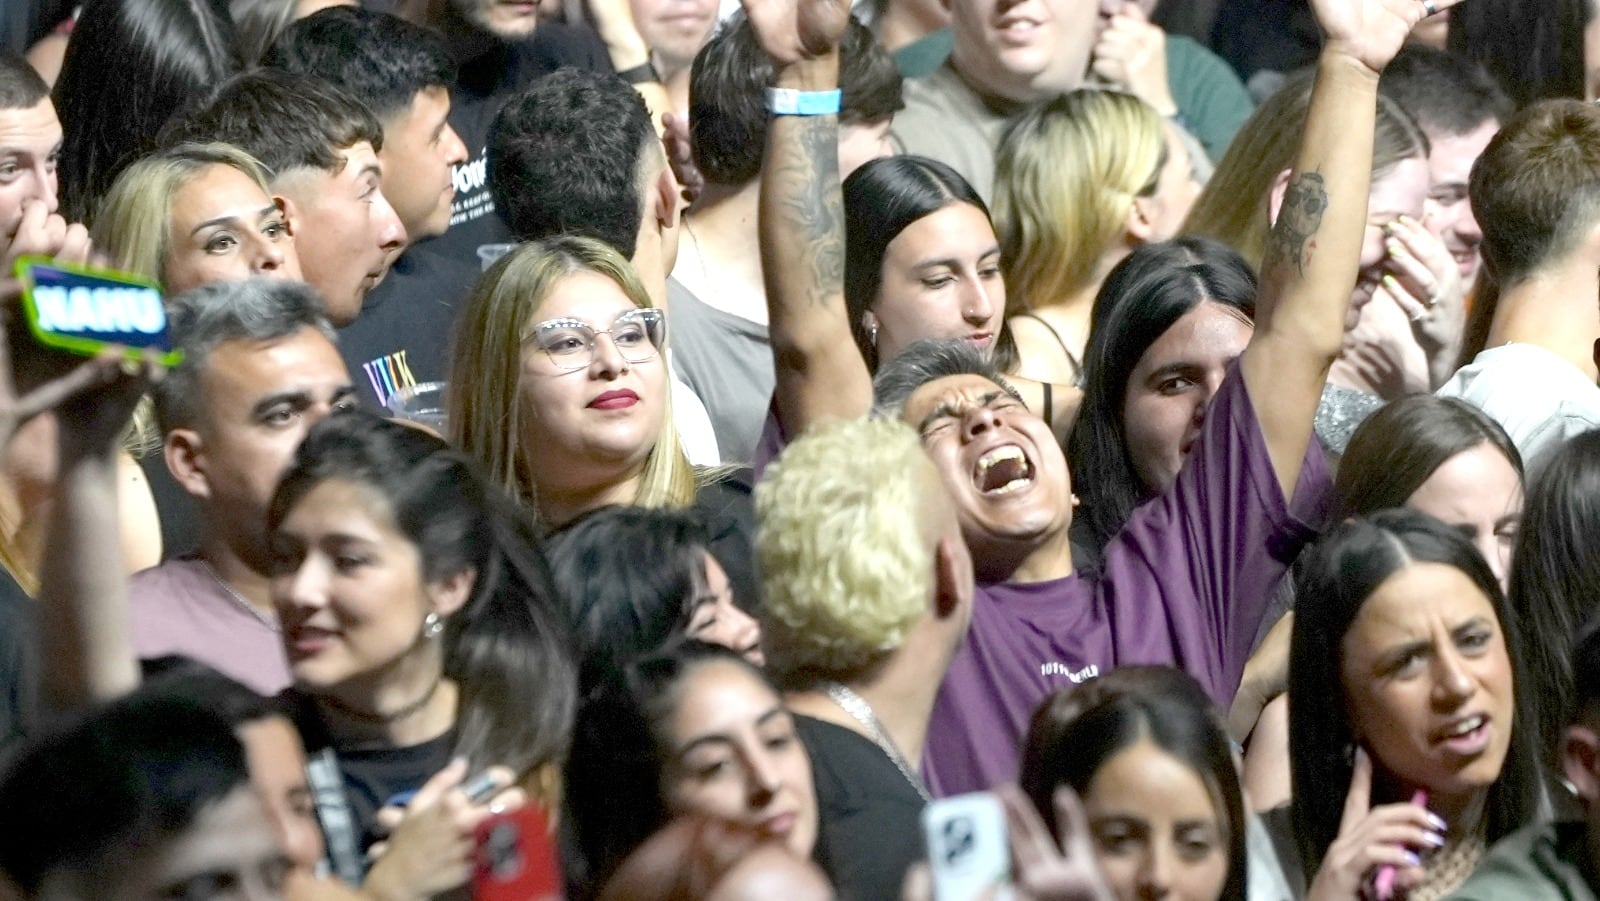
(1304, 202)
(818, 215)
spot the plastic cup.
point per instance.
(422, 404)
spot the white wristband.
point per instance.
(789, 102)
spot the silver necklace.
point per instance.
(240, 602)
(859, 710)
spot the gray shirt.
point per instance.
(727, 361)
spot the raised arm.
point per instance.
(820, 373)
(1314, 249)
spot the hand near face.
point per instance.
(680, 155)
(1372, 837)
(46, 234)
(1370, 32)
(432, 840)
(100, 393)
(793, 31)
(1132, 54)
(1425, 282)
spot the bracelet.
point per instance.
(644, 74)
(789, 102)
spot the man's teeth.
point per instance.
(1013, 467)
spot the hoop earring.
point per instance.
(432, 625)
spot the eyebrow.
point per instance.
(949, 409)
(224, 220)
(301, 399)
(721, 739)
(952, 262)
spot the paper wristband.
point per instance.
(789, 102)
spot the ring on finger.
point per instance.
(1428, 8)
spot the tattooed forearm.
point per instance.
(1299, 218)
(815, 212)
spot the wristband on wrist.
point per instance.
(789, 102)
(644, 74)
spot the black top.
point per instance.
(728, 509)
(869, 815)
(19, 665)
(371, 775)
(403, 334)
(490, 72)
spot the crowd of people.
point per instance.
(1177, 420)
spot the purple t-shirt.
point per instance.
(180, 607)
(1186, 582)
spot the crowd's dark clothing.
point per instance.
(728, 507)
(19, 666)
(1272, 35)
(402, 336)
(490, 72)
(181, 522)
(869, 829)
(370, 776)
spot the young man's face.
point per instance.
(348, 234)
(419, 151)
(30, 141)
(1448, 211)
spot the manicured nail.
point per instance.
(1390, 282)
(1438, 822)
(1393, 245)
(1412, 859)
(1433, 838)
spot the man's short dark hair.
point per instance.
(1445, 93)
(258, 309)
(728, 106)
(1536, 189)
(925, 361)
(381, 60)
(127, 776)
(284, 120)
(20, 86)
(564, 156)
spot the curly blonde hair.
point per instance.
(845, 549)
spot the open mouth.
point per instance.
(1002, 471)
(1468, 735)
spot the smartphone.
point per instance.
(516, 858)
(83, 309)
(968, 851)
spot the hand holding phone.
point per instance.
(85, 309)
(968, 852)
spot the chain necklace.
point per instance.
(238, 601)
(862, 712)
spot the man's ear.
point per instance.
(668, 199)
(952, 575)
(291, 217)
(1280, 186)
(184, 452)
(1580, 754)
(450, 593)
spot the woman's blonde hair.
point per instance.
(1234, 206)
(1065, 180)
(134, 227)
(485, 371)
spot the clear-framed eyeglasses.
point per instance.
(638, 336)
